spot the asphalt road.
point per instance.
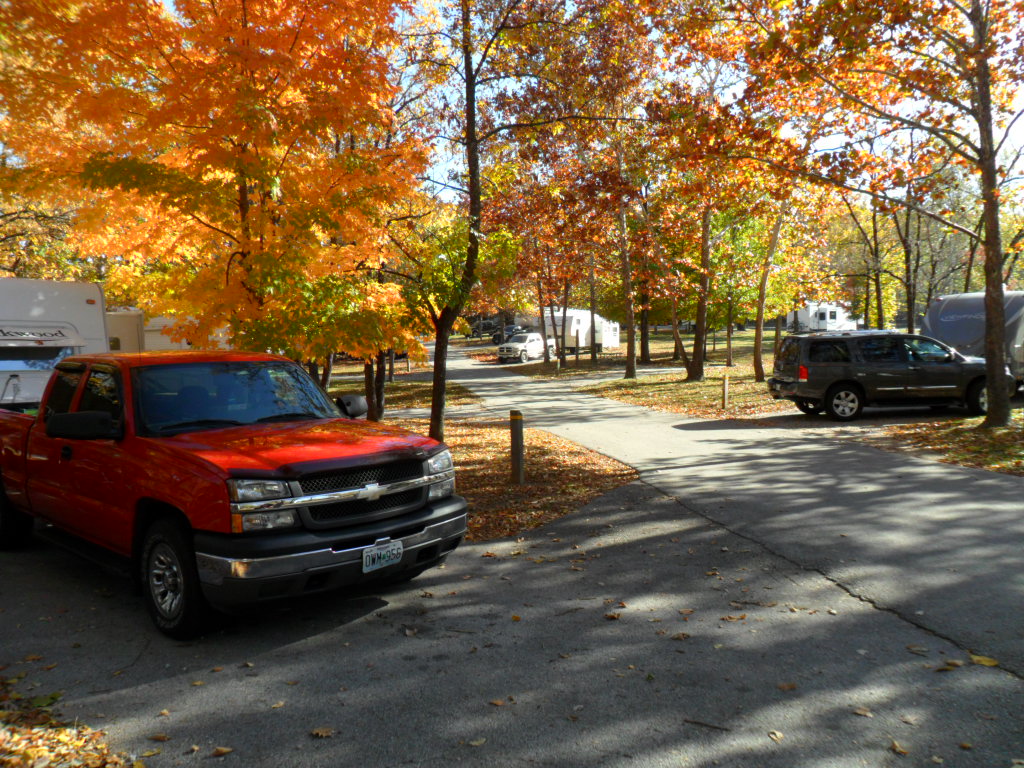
(765, 595)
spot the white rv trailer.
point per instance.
(41, 323)
(578, 332)
(821, 316)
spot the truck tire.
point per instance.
(844, 402)
(170, 581)
(15, 525)
(977, 398)
(524, 356)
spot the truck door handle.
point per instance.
(65, 453)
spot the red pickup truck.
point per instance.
(226, 478)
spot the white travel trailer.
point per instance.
(42, 322)
(579, 334)
(130, 331)
(816, 316)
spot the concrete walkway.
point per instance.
(764, 597)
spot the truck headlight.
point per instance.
(257, 490)
(440, 462)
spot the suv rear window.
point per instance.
(831, 351)
(789, 352)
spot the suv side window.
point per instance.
(830, 351)
(927, 351)
(884, 349)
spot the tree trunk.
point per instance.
(998, 414)
(645, 327)
(325, 377)
(762, 293)
(695, 369)
(370, 391)
(879, 307)
(378, 383)
(543, 322)
(593, 312)
(728, 334)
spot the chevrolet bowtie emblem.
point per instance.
(371, 492)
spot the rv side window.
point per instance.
(65, 383)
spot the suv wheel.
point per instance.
(844, 402)
(810, 407)
(977, 398)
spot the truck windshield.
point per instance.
(176, 398)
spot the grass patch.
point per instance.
(961, 442)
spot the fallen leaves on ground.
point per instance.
(561, 476)
(31, 735)
(963, 442)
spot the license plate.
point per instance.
(381, 555)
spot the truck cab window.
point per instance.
(65, 384)
(102, 393)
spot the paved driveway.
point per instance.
(762, 597)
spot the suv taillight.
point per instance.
(802, 373)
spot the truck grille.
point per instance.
(346, 511)
(357, 477)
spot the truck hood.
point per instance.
(293, 448)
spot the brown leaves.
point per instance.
(31, 735)
(561, 477)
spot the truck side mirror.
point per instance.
(352, 406)
(83, 425)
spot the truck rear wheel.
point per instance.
(15, 525)
(170, 581)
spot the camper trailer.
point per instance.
(131, 331)
(820, 317)
(959, 320)
(579, 334)
(41, 323)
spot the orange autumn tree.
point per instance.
(238, 151)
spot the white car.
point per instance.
(523, 347)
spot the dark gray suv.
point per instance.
(841, 372)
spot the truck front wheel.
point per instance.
(170, 582)
(15, 525)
